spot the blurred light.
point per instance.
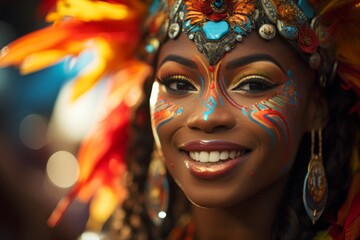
(4, 51)
(162, 214)
(102, 205)
(154, 95)
(71, 121)
(76, 65)
(153, 99)
(62, 169)
(33, 131)
(132, 98)
(89, 236)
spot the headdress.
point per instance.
(217, 26)
(324, 33)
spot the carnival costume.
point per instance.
(325, 34)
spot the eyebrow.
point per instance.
(250, 59)
(183, 61)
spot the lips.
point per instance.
(213, 158)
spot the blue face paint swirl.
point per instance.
(211, 104)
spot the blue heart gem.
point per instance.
(216, 30)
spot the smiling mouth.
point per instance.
(216, 156)
(213, 151)
(210, 159)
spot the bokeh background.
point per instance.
(39, 135)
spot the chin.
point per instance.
(211, 203)
(214, 196)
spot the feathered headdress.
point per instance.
(111, 30)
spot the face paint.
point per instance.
(163, 110)
(212, 95)
(272, 114)
(211, 104)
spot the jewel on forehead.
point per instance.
(218, 6)
(216, 26)
(218, 3)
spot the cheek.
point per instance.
(163, 112)
(277, 122)
(277, 116)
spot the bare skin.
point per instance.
(252, 219)
(253, 107)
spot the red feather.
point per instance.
(45, 7)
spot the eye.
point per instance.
(177, 84)
(254, 84)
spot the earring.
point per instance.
(315, 184)
(157, 189)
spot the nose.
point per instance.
(212, 119)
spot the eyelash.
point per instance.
(262, 82)
(167, 80)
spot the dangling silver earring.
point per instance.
(157, 189)
(315, 188)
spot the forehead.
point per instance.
(251, 45)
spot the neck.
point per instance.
(251, 219)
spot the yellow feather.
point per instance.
(41, 60)
(86, 10)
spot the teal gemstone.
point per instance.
(306, 8)
(248, 25)
(187, 26)
(237, 29)
(289, 32)
(215, 30)
(218, 3)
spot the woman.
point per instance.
(249, 117)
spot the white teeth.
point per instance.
(224, 155)
(214, 156)
(204, 157)
(197, 156)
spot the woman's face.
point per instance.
(230, 130)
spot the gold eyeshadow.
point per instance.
(238, 80)
(262, 70)
(163, 79)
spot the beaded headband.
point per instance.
(216, 26)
